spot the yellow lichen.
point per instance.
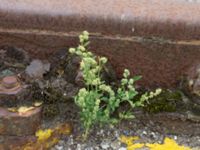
(13, 109)
(48, 138)
(37, 104)
(135, 146)
(43, 135)
(129, 141)
(20, 110)
(169, 144)
(24, 109)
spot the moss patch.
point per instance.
(50, 98)
(167, 101)
(50, 111)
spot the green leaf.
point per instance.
(131, 103)
(86, 44)
(126, 115)
(132, 94)
(136, 78)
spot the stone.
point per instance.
(191, 85)
(59, 83)
(70, 140)
(79, 147)
(61, 142)
(59, 147)
(105, 144)
(175, 137)
(116, 133)
(16, 124)
(122, 148)
(79, 79)
(153, 135)
(115, 144)
(37, 68)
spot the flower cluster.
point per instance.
(147, 96)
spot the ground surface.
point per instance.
(109, 138)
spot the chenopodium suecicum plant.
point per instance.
(98, 101)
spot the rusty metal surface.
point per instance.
(10, 85)
(160, 64)
(19, 124)
(173, 19)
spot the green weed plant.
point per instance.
(97, 100)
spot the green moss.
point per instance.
(50, 98)
(48, 95)
(50, 111)
(167, 101)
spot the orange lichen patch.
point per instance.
(169, 144)
(48, 138)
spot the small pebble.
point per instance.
(126, 132)
(175, 137)
(153, 135)
(101, 131)
(71, 140)
(37, 68)
(59, 147)
(89, 148)
(116, 133)
(105, 145)
(122, 148)
(61, 142)
(78, 147)
(97, 148)
(115, 144)
(144, 133)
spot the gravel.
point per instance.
(108, 138)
